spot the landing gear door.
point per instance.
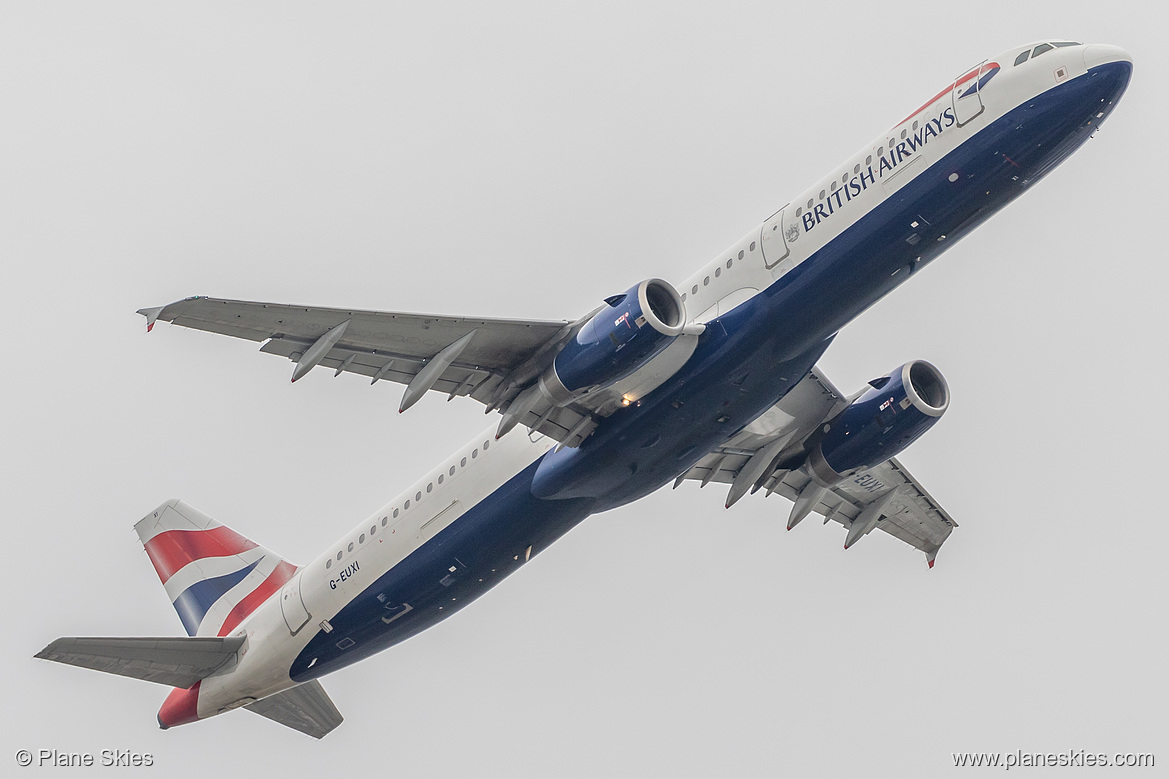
(773, 240)
(967, 96)
(292, 605)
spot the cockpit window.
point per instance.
(1043, 48)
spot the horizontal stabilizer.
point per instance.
(306, 708)
(173, 661)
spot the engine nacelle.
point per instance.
(880, 423)
(623, 336)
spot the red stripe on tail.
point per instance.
(281, 574)
(172, 550)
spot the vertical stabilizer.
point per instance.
(214, 576)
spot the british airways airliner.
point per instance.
(713, 380)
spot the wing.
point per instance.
(489, 360)
(886, 497)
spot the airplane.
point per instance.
(713, 380)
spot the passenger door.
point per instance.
(292, 606)
(772, 240)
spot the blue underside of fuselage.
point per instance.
(745, 362)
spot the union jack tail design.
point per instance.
(214, 576)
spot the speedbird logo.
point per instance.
(991, 71)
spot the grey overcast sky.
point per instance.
(526, 160)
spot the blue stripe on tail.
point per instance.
(195, 601)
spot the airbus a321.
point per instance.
(713, 380)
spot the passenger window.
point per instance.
(1022, 57)
(1042, 48)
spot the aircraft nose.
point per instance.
(1098, 54)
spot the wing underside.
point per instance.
(886, 497)
(497, 362)
(488, 360)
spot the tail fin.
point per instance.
(213, 576)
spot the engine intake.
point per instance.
(880, 423)
(620, 338)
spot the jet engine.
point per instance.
(632, 329)
(879, 423)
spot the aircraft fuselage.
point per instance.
(771, 303)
